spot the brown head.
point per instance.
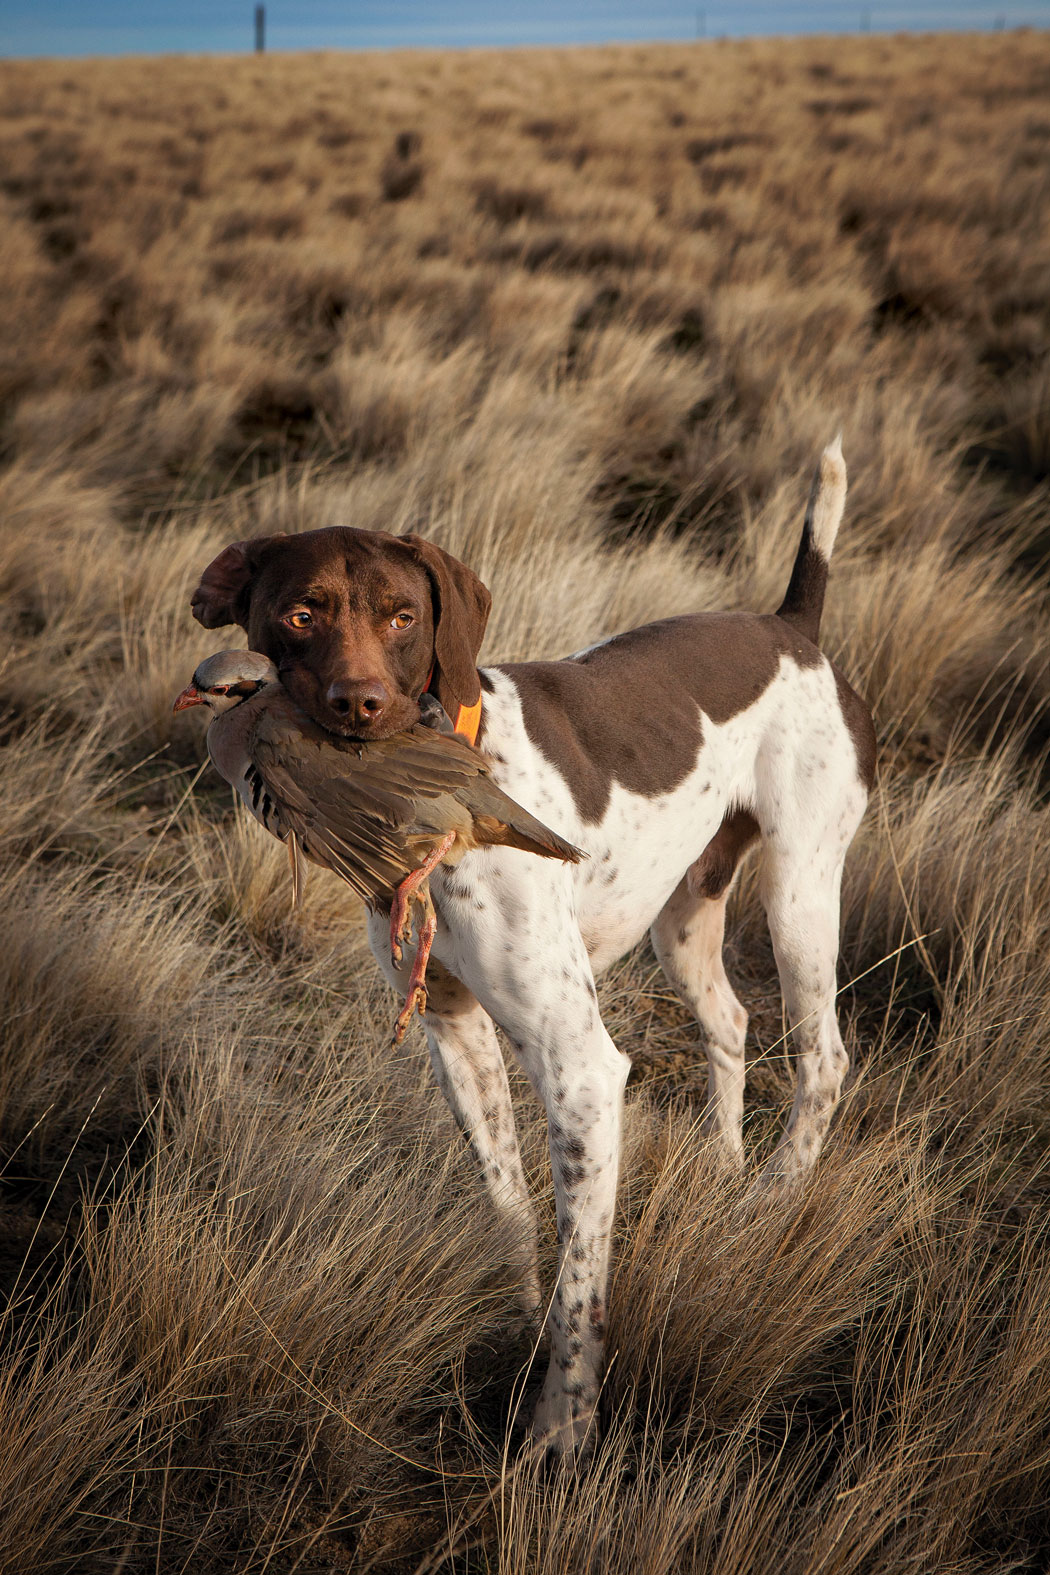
(356, 622)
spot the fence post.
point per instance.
(260, 29)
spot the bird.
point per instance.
(382, 815)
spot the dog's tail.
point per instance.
(804, 601)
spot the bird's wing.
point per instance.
(412, 768)
(345, 838)
(288, 786)
(395, 780)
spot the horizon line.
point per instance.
(866, 27)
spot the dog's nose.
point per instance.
(359, 701)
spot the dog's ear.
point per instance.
(461, 611)
(223, 593)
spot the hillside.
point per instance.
(586, 318)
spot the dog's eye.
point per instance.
(298, 620)
(402, 620)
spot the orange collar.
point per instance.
(468, 721)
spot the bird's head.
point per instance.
(225, 679)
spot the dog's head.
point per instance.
(357, 622)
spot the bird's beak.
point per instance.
(191, 695)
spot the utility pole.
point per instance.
(701, 23)
(865, 20)
(260, 29)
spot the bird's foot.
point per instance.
(412, 887)
(416, 999)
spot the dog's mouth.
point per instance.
(395, 719)
(365, 735)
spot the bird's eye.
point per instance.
(298, 620)
(219, 689)
(402, 620)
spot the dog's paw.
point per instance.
(564, 1426)
(783, 1176)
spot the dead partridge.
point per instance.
(382, 815)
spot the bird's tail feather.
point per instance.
(516, 828)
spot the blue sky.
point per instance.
(103, 27)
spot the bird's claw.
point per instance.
(415, 1001)
(399, 923)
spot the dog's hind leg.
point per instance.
(800, 892)
(687, 939)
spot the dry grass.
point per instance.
(585, 317)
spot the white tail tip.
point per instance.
(828, 498)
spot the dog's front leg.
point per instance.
(579, 1074)
(526, 963)
(584, 1113)
(469, 1070)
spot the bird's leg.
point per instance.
(416, 999)
(401, 910)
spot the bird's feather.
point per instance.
(295, 861)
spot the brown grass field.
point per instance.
(586, 318)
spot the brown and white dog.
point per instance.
(664, 753)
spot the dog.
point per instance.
(664, 753)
